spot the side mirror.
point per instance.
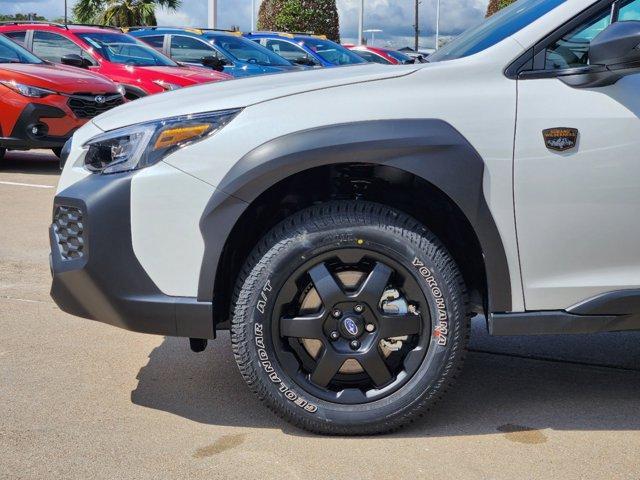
(73, 60)
(613, 54)
(214, 62)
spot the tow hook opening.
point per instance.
(197, 344)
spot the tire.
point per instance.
(2, 152)
(349, 253)
(57, 151)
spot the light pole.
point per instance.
(416, 28)
(361, 23)
(373, 32)
(253, 15)
(65, 12)
(212, 17)
(437, 24)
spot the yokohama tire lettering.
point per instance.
(441, 331)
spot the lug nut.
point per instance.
(334, 335)
(355, 344)
(358, 308)
(370, 327)
(336, 313)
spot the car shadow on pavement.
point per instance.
(497, 393)
(36, 162)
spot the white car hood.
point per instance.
(242, 92)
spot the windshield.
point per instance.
(119, 48)
(247, 51)
(332, 52)
(495, 28)
(13, 53)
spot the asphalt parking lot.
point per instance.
(83, 400)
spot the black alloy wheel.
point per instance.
(350, 318)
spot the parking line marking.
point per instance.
(34, 185)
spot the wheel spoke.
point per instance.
(309, 326)
(328, 365)
(399, 325)
(374, 285)
(376, 368)
(326, 286)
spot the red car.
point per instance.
(380, 55)
(140, 69)
(41, 104)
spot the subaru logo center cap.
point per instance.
(100, 99)
(350, 327)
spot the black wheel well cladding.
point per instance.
(424, 168)
(376, 183)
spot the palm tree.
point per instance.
(121, 13)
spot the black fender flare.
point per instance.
(428, 148)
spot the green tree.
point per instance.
(495, 5)
(19, 17)
(314, 16)
(121, 13)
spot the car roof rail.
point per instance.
(198, 30)
(228, 30)
(95, 25)
(34, 22)
(288, 34)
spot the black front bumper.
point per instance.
(96, 274)
(22, 137)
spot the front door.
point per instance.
(577, 186)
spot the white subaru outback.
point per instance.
(346, 223)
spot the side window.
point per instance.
(190, 50)
(572, 50)
(52, 47)
(291, 52)
(8, 55)
(629, 10)
(371, 57)
(17, 37)
(156, 41)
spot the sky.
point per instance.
(394, 17)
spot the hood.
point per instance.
(243, 92)
(58, 78)
(187, 75)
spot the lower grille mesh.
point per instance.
(68, 230)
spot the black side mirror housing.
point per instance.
(613, 54)
(214, 62)
(73, 60)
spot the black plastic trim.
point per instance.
(614, 311)
(429, 148)
(22, 139)
(618, 302)
(107, 283)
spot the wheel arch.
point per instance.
(426, 154)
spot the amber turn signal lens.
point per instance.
(174, 136)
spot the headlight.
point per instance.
(166, 85)
(121, 90)
(26, 90)
(145, 144)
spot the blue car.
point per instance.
(222, 50)
(307, 50)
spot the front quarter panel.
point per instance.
(482, 110)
